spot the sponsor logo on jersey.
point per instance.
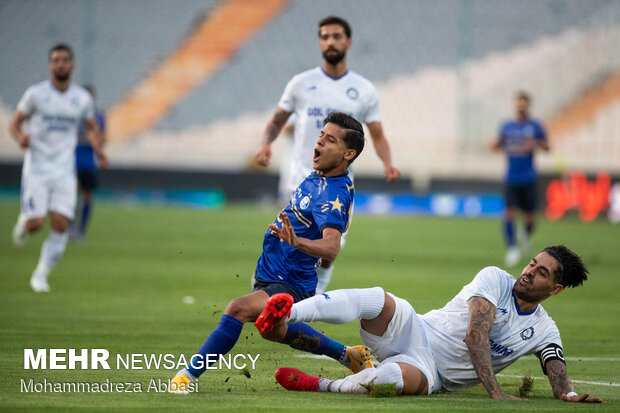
(500, 349)
(304, 202)
(327, 297)
(313, 87)
(503, 310)
(352, 93)
(527, 333)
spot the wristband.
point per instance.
(571, 394)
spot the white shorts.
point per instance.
(40, 195)
(405, 341)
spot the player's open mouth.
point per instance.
(524, 280)
(317, 155)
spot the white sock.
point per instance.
(384, 374)
(340, 306)
(324, 275)
(52, 249)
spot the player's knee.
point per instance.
(390, 373)
(34, 224)
(238, 308)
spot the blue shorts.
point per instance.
(272, 288)
(522, 196)
(87, 180)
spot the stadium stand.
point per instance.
(445, 72)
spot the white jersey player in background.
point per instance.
(311, 96)
(54, 109)
(491, 323)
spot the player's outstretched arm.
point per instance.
(562, 386)
(382, 147)
(326, 247)
(481, 316)
(16, 129)
(275, 125)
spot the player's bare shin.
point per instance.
(481, 316)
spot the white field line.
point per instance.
(595, 383)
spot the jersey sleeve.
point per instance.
(372, 111)
(539, 131)
(487, 284)
(100, 115)
(287, 100)
(26, 103)
(332, 210)
(89, 108)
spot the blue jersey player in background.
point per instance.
(86, 171)
(520, 138)
(305, 232)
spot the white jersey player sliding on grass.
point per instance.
(54, 109)
(491, 323)
(314, 94)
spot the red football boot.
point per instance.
(278, 307)
(293, 379)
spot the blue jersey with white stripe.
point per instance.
(520, 161)
(319, 202)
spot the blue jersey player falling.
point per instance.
(520, 138)
(306, 231)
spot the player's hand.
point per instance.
(287, 233)
(529, 145)
(263, 156)
(504, 396)
(24, 141)
(392, 173)
(584, 398)
(103, 160)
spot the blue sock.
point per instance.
(85, 216)
(220, 341)
(509, 233)
(302, 337)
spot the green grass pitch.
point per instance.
(123, 290)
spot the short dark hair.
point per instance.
(522, 94)
(60, 46)
(571, 270)
(354, 135)
(336, 20)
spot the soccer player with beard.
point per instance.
(311, 96)
(54, 109)
(306, 231)
(492, 322)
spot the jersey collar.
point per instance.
(514, 297)
(331, 77)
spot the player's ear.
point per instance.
(350, 154)
(557, 289)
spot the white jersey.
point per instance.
(311, 96)
(514, 333)
(54, 117)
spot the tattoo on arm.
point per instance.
(275, 125)
(558, 378)
(481, 316)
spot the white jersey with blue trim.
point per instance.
(54, 117)
(311, 96)
(514, 333)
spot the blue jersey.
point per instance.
(319, 202)
(84, 154)
(512, 137)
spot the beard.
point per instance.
(333, 59)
